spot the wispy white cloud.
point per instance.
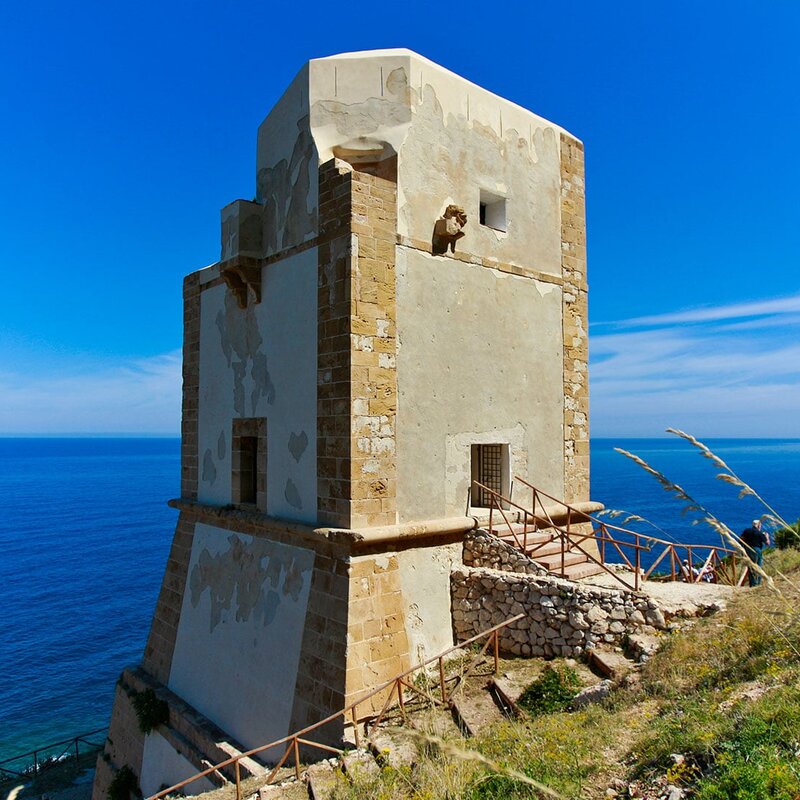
(127, 396)
(720, 378)
(732, 311)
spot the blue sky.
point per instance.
(126, 127)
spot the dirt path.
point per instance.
(675, 598)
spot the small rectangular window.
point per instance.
(492, 211)
(248, 469)
(490, 469)
(249, 463)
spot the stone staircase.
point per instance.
(544, 547)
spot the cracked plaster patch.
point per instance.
(252, 579)
(298, 444)
(241, 340)
(209, 468)
(292, 494)
(288, 225)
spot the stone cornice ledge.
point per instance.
(353, 539)
(482, 261)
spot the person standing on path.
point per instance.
(755, 540)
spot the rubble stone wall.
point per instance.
(562, 618)
(482, 549)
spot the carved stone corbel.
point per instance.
(448, 230)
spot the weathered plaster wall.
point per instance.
(286, 171)
(262, 362)
(453, 139)
(425, 584)
(479, 361)
(241, 629)
(161, 764)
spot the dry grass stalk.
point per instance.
(773, 518)
(729, 476)
(691, 505)
(474, 757)
(628, 517)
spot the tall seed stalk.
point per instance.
(729, 476)
(692, 505)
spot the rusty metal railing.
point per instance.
(717, 564)
(31, 764)
(397, 686)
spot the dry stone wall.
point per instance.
(482, 549)
(562, 618)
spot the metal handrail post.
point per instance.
(356, 735)
(400, 699)
(296, 749)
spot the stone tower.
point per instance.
(400, 310)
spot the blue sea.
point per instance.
(85, 532)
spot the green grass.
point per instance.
(759, 757)
(551, 691)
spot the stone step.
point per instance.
(475, 712)
(576, 572)
(360, 762)
(396, 749)
(321, 778)
(436, 721)
(294, 790)
(553, 547)
(501, 529)
(553, 562)
(506, 695)
(611, 663)
(546, 551)
(641, 646)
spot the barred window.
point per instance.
(490, 469)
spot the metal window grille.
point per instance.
(489, 471)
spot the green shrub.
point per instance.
(788, 537)
(123, 785)
(551, 691)
(150, 710)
